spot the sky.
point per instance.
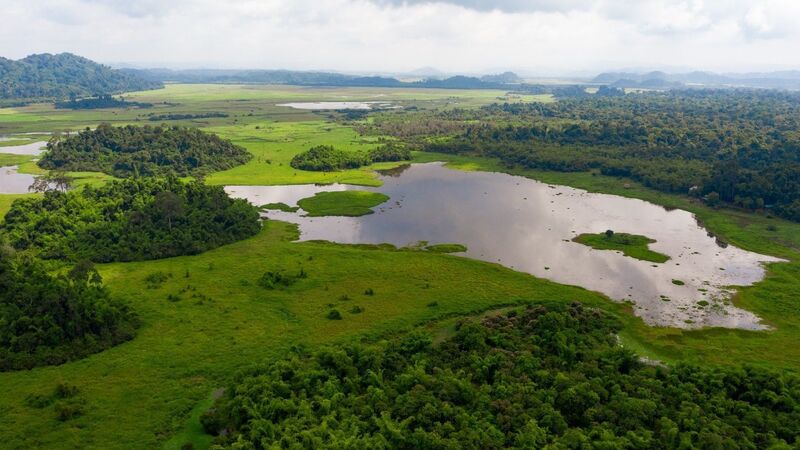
(544, 37)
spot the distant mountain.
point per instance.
(767, 80)
(505, 78)
(302, 78)
(61, 76)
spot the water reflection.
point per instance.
(528, 226)
(13, 182)
(34, 148)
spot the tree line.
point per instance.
(739, 147)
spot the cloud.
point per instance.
(537, 36)
(498, 5)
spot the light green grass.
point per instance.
(631, 245)
(342, 203)
(8, 159)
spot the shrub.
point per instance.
(334, 315)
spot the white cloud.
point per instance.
(396, 35)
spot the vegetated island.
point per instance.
(632, 245)
(326, 158)
(342, 203)
(129, 220)
(543, 377)
(147, 151)
(51, 319)
(279, 206)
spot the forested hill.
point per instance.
(507, 80)
(61, 76)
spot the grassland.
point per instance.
(342, 203)
(446, 248)
(631, 245)
(149, 392)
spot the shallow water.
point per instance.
(528, 226)
(12, 182)
(336, 105)
(34, 148)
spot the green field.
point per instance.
(149, 392)
(631, 245)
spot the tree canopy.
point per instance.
(50, 319)
(128, 220)
(545, 377)
(147, 150)
(63, 76)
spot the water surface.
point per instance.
(337, 105)
(528, 226)
(34, 148)
(13, 182)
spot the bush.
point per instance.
(334, 315)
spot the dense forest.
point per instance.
(147, 150)
(733, 146)
(129, 220)
(543, 377)
(63, 76)
(100, 102)
(50, 319)
(326, 158)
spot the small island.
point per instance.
(342, 203)
(632, 245)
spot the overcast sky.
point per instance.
(531, 36)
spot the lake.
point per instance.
(34, 148)
(13, 182)
(338, 105)
(528, 226)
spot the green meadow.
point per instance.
(149, 392)
(342, 203)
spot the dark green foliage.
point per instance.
(62, 76)
(389, 153)
(334, 314)
(129, 220)
(47, 319)
(274, 280)
(148, 150)
(156, 279)
(326, 158)
(103, 101)
(356, 310)
(369, 292)
(732, 146)
(550, 377)
(173, 116)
